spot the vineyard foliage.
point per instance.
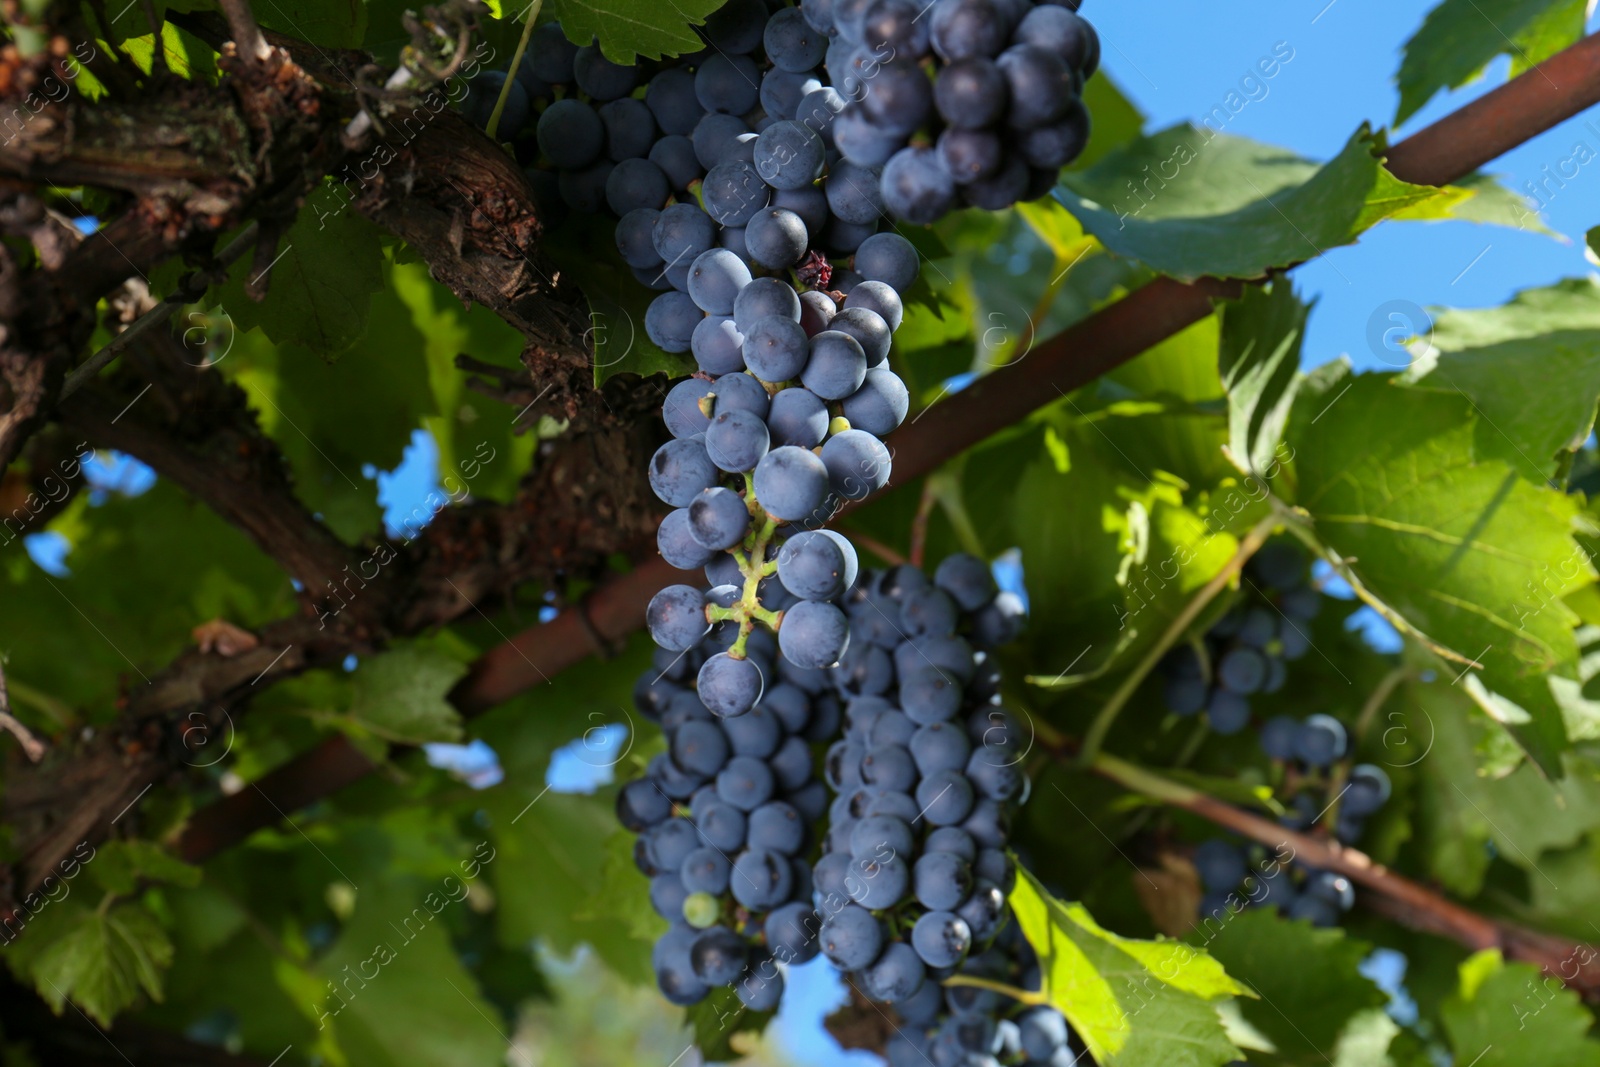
(428, 916)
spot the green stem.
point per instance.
(511, 75)
(1140, 780)
(1025, 996)
(57, 709)
(1102, 724)
(748, 610)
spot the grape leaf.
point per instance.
(717, 1022)
(1132, 1002)
(630, 28)
(322, 281)
(1189, 202)
(1307, 979)
(400, 695)
(397, 993)
(1259, 359)
(1460, 811)
(584, 250)
(1512, 1014)
(1457, 545)
(1117, 120)
(1459, 38)
(104, 963)
(1493, 204)
(119, 866)
(1531, 369)
(329, 23)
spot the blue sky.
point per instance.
(1177, 61)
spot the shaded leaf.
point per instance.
(105, 963)
(1307, 979)
(400, 695)
(1512, 1014)
(119, 866)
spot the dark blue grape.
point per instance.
(714, 135)
(728, 84)
(895, 975)
(776, 238)
(675, 975)
(636, 238)
(676, 617)
(675, 156)
(963, 28)
(715, 278)
(1317, 911)
(943, 880)
(888, 767)
(550, 55)
(988, 824)
(742, 149)
(851, 937)
(776, 349)
(720, 824)
(971, 94)
(999, 621)
(880, 836)
(719, 956)
(1368, 791)
(736, 27)
(782, 91)
(815, 565)
(939, 746)
(951, 839)
(898, 26)
(984, 911)
(1185, 696)
(813, 634)
(857, 464)
(764, 297)
(670, 843)
(880, 298)
(682, 233)
(761, 879)
(836, 367)
(888, 258)
(1042, 1033)
(970, 155)
(861, 143)
(792, 482)
(791, 43)
(677, 546)
(898, 102)
(1278, 737)
(718, 519)
(729, 686)
(945, 798)
(760, 988)
(1003, 189)
(967, 579)
(1041, 86)
(742, 392)
(1227, 712)
(630, 128)
(917, 187)
(789, 155)
(671, 100)
(793, 933)
(817, 309)
(1058, 30)
(797, 418)
(718, 346)
(853, 192)
(601, 78)
(776, 827)
(928, 612)
(736, 440)
(870, 332)
(877, 884)
(640, 804)
(680, 470)
(1242, 670)
(706, 870)
(1059, 143)
(941, 938)
(570, 134)
(584, 191)
(636, 183)
(483, 92)
(1321, 740)
(817, 111)
(733, 192)
(1220, 863)
(667, 894)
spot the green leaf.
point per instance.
(584, 250)
(400, 695)
(1466, 553)
(1459, 38)
(1259, 359)
(1531, 369)
(718, 1020)
(1512, 1014)
(1189, 202)
(1134, 1003)
(322, 282)
(105, 963)
(1117, 120)
(396, 992)
(1460, 811)
(1493, 204)
(630, 28)
(119, 866)
(329, 23)
(1307, 979)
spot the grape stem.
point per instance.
(747, 610)
(1248, 547)
(516, 65)
(1390, 895)
(1024, 996)
(1381, 693)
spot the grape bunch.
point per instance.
(958, 101)
(911, 887)
(1319, 789)
(1245, 652)
(725, 820)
